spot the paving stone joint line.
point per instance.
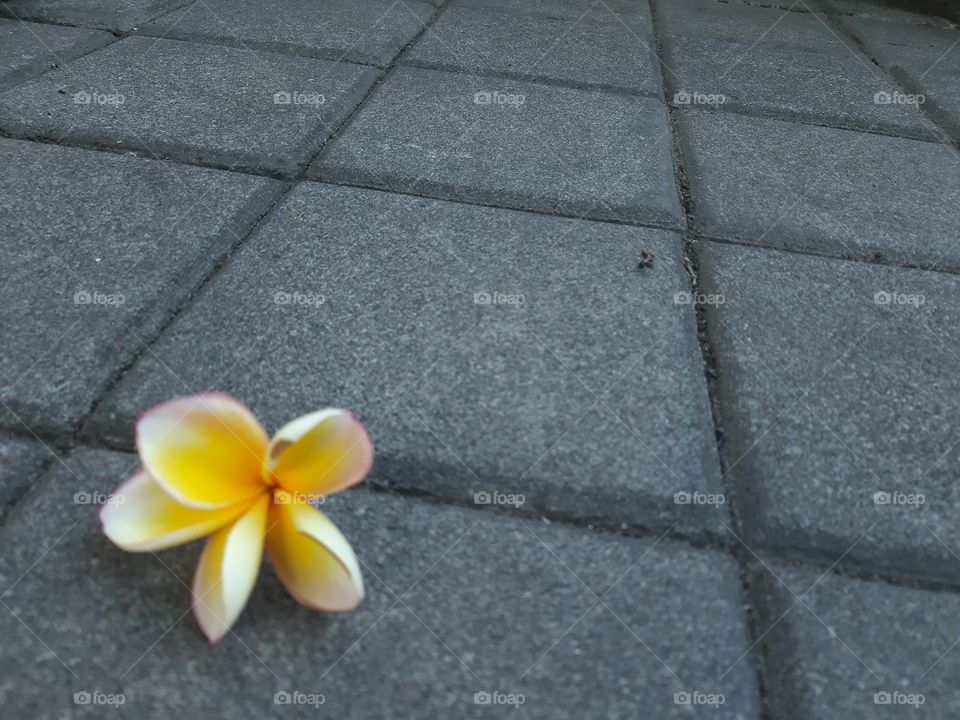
(708, 357)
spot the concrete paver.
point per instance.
(839, 379)
(597, 47)
(861, 649)
(925, 59)
(936, 14)
(367, 31)
(271, 115)
(21, 460)
(121, 15)
(98, 249)
(824, 190)
(31, 48)
(789, 64)
(510, 142)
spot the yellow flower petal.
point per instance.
(311, 556)
(205, 450)
(228, 570)
(142, 517)
(319, 454)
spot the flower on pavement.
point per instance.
(210, 469)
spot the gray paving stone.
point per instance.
(20, 462)
(531, 146)
(424, 642)
(598, 48)
(939, 13)
(31, 48)
(822, 189)
(855, 649)
(121, 15)
(556, 8)
(588, 397)
(369, 31)
(833, 394)
(97, 249)
(925, 59)
(785, 5)
(793, 65)
(193, 102)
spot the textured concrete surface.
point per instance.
(860, 649)
(923, 59)
(578, 623)
(31, 48)
(936, 13)
(624, 353)
(867, 407)
(200, 103)
(120, 15)
(571, 10)
(429, 320)
(372, 31)
(824, 190)
(21, 460)
(789, 64)
(519, 143)
(98, 249)
(602, 49)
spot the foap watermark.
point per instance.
(296, 697)
(895, 697)
(499, 98)
(498, 298)
(900, 499)
(898, 98)
(96, 498)
(95, 297)
(883, 297)
(95, 697)
(95, 97)
(691, 298)
(297, 498)
(686, 97)
(483, 697)
(286, 97)
(697, 697)
(303, 299)
(494, 497)
(698, 498)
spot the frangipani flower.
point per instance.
(210, 469)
